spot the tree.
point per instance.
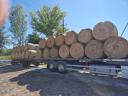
(18, 24)
(33, 38)
(47, 20)
(60, 30)
(3, 38)
(5, 52)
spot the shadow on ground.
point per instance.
(55, 84)
(11, 68)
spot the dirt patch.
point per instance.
(33, 81)
(105, 86)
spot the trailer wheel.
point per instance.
(52, 67)
(36, 65)
(25, 64)
(13, 63)
(61, 68)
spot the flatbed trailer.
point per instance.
(111, 67)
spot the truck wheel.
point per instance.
(61, 68)
(52, 67)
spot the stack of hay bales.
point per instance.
(101, 42)
(28, 51)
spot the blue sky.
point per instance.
(83, 13)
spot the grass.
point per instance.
(5, 57)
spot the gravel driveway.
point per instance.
(33, 81)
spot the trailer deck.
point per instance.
(111, 67)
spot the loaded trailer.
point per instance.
(74, 51)
(109, 67)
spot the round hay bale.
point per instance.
(32, 53)
(104, 30)
(116, 47)
(85, 36)
(70, 38)
(31, 46)
(42, 43)
(17, 49)
(31, 56)
(13, 50)
(15, 55)
(50, 41)
(39, 54)
(18, 55)
(23, 48)
(94, 49)
(59, 40)
(77, 50)
(23, 55)
(64, 51)
(26, 55)
(46, 53)
(12, 55)
(54, 52)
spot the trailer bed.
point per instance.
(84, 60)
(112, 67)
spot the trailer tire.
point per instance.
(25, 64)
(13, 63)
(52, 67)
(36, 64)
(61, 68)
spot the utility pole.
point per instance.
(63, 24)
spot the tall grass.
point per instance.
(5, 57)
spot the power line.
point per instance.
(124, 29)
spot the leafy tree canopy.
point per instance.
(33, 38)
(48, 21)
(18, 24)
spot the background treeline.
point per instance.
(45, 22)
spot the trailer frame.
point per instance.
(67, 64)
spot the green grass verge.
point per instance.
(5, 57)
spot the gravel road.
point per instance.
(35, 81)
